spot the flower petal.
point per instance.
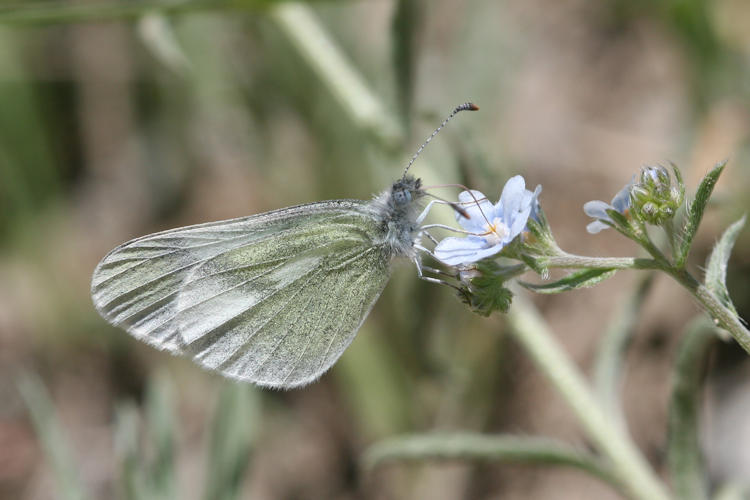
(479, 208)
(535, 203)
(621, 201)
(597, 209)
(596, 226)
(453, 250)
(512, 197)
(483, 254)
(518, 223)
(452, 243)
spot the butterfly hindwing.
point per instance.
(280, 324)
(272, 298)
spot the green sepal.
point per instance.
(486, 292)
(584, 278)
(538, 240)
(678, 180)
(695, 212)
(537, 264)
(716, 266)
(620, 221)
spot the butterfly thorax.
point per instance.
(397, 210)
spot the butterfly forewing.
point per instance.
(273, 298)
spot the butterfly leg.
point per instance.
(429, 236)
(427, 208)
(439, 271)
(425, 250)
(430, 279)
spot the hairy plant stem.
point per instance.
(718, 311)
(570, 261)
(711, 304)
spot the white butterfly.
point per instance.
(273, 298)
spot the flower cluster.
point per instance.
(654, 197)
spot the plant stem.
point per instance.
(671, 238)
(628, 465)
(684, 455)
(570, 261)
(718, 311)
(298, 22)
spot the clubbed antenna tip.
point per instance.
(467, 106)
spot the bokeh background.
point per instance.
(123, 118)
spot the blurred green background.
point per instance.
(123, 118)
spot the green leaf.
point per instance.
(232, 438)
(716, 266)
(487, 292)
(51, 436)
(584, 278)
(486, 448)
(537, 264)
(695, 211)
(683, 444)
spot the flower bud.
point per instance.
(654, 198)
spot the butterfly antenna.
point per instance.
(467, 106)
(455, 206)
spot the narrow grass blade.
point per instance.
(30, 171)
(404, 28)
(51, 436)
(127, 451)
(233, 434)
(161, 429)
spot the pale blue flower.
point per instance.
(535, 207)
(491, 227)
(598, 209)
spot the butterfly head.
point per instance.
(405, 191)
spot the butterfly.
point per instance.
(273, 298)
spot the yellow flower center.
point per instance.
(496, 231)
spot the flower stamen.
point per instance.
(496, 231)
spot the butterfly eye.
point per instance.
(401, 197)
